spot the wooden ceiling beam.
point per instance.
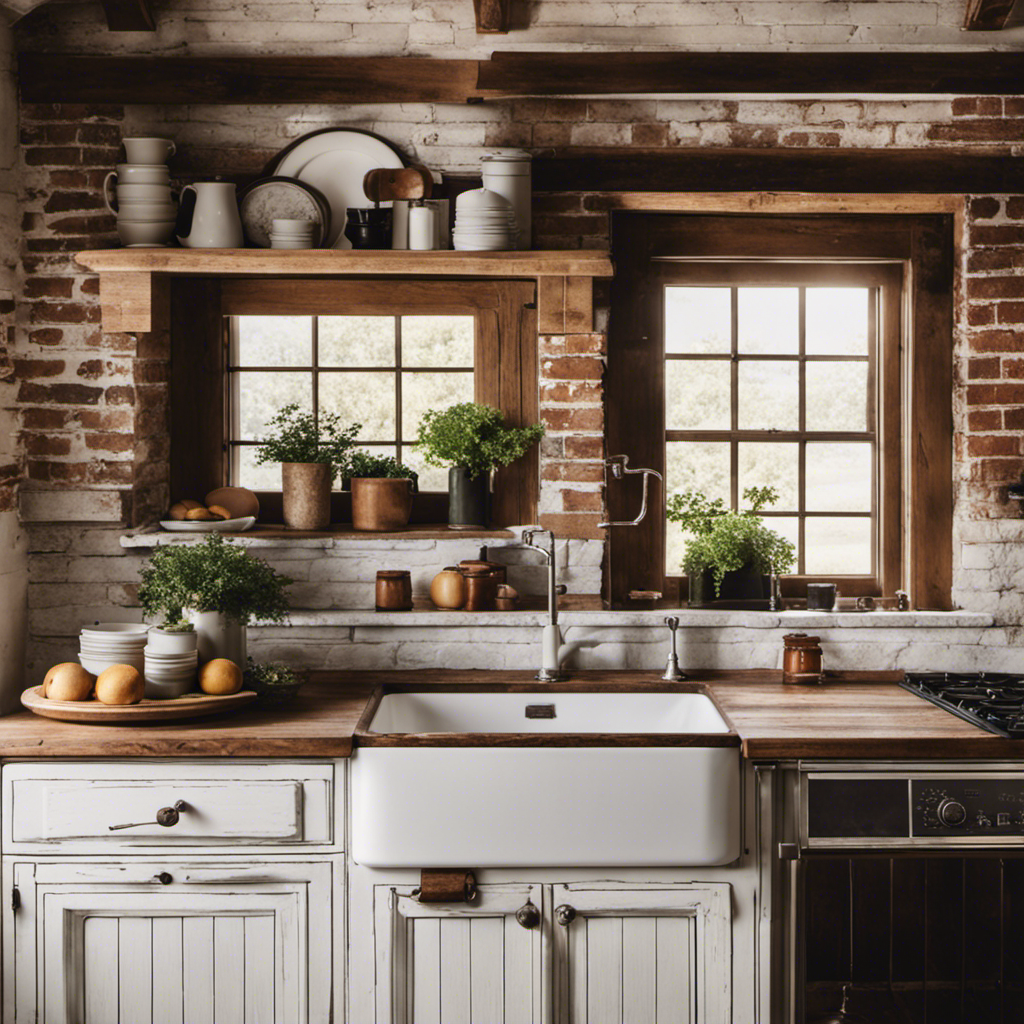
(129, 16)
(60, 78)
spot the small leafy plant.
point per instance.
(178, 626)
(473, 437)
(301, 437)
(272, 680)
(724, 540)
(363, 464)
(215, 576)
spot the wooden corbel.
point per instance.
(492, 16)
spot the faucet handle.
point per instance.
(672, 621)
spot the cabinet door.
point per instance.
(168, 943)
(458, 963)
(652, 954)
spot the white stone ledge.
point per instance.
(688, 618)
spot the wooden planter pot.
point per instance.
(381, 503)
(306, 494)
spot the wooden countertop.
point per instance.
(854, 715)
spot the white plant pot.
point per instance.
(217, 636)
(162, 641)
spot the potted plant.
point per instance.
(731, 553)
(216, 586)
(382, 490)
(272, 681)
(311, 450)
(472, 440)
(175, 636)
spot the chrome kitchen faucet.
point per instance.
(552, 647)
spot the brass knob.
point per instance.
(168, 816)
(528, 915)
(565, 915)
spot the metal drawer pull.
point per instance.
(163, 878)
(565, 915)
(528, 915)
(166, 816)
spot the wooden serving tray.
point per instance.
(147, 710)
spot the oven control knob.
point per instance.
(952, 813)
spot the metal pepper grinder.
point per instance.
(672, 673)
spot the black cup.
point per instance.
(821, 597)
(368, 227)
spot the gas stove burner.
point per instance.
(991, 700)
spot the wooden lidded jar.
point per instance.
(481, 589)
(801, 659)
(394, 590)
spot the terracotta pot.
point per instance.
(306, 488)
(381, 503)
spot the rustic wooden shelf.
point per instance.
(564, 278)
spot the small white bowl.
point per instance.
(98, 665)
(158, 689)
(481, 199)
(106, 628)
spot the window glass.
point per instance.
(424, 391)
(698, 320)
(273, 341)
(837, 396)
(435, 341)
(768, 321)
(772, 464)
(692, 465)
(367, 398)
(838, 546)
(769, 395)
(838, 477)
(356, 340)
(837, 321)
(697, 394)
(260, 395)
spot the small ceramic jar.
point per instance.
(448, 589)
(801, 659)
(394, 590)
(481, 590)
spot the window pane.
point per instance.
(261, 395)
(697, 394)
(837, 396)
(788, 527)
(357, 340)
(246, 473)
(771, 464)
(838, 546)
(768, 320)
(769, 395)
(431, 478)
(837, 322)
(437, 340)
(698, 319)
(423, 391)
(274, 341)
(366, 398)
(838, 477)
(692, 465)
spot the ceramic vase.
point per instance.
(469, 499)
(218, 636)
(381, 503)
(306, 494)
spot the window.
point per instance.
(381, 371)
(377, 352)
(796, 352)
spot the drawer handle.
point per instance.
(163, 878)
(166, 816)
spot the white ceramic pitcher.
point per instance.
(208, 216)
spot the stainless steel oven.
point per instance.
(903, 888)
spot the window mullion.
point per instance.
(398, 388)
(734, 392)
(801, 483)
(315, 391)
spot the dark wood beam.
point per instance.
(780, 170)
(60, 78)
(976, 73)
(129, 15)
(492, 16)
(992, 15)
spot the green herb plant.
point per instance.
(301, 437)
(272, 680)
(473, 437)
(215, 576)
(724, 541)
(178, 626)
(363, 464)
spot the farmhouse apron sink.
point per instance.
(555, 776)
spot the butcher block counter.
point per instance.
(852, 715)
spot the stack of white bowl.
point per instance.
(288, 233)
(484, 220)
(112, 643)
(144, 206)
(171, 664)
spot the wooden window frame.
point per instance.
(915, 411)
(505, 372)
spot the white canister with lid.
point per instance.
(422, 225)
(510, 174)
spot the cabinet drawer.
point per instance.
(75, 805)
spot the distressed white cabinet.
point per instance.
(597, 953)
(236, 918)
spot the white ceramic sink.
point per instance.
(470, 779)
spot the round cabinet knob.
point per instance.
(528, 915)
(565, 915)
(163, 878)
(952, 813)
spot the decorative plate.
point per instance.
(209, 526)
(191, 705)
(261, 201)
(335, 160)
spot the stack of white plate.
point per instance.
(170, 675)
(291, 233)
(112, 643)
(484, 221)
